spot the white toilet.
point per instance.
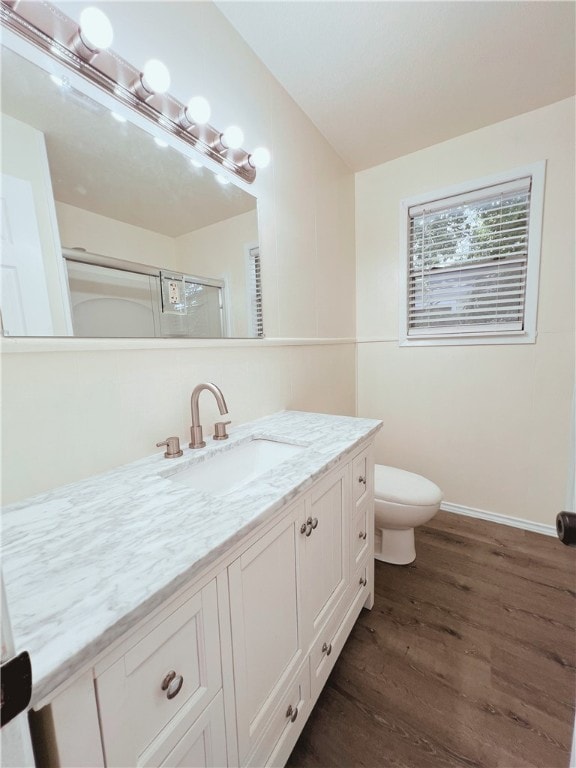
(403, 500)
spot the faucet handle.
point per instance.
(220, 430)
(172, 447)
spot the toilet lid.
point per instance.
(396, 485)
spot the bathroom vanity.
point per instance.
(171, 626)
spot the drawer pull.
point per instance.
(292, 713)
(363, 581)
(362, 535)
(362, 479)
(314, 523)
(303, 528)
(327, 649)
(172, 684)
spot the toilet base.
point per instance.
(394, 546)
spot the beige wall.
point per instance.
(219, 251)
(108, 237)
(489, 424)
(24, 156)
(71, 414)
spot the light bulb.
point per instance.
(196, 163)
(221, 179)
(156, 76)
(96, 29)
(160, 142)
(198, 110)
(260, 158)
(233, 137)
(119, 118)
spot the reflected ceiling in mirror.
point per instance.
(119, 193)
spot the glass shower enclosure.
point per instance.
(115, 298)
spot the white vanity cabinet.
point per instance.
(227, 671)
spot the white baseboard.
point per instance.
(493, 517)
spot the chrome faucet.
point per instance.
(196, 439)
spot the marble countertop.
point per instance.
(84, 563)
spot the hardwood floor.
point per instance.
(467, 659)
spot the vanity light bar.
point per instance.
(46, 27)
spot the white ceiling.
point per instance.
(111, 169)
(383, 79)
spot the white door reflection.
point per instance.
(24, 295)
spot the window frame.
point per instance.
(537, 172)
(253, 265)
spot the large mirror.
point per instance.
(107, 231)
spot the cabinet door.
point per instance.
(264, 615)
(138, 705)
(324, 538)
(203, 745)
(334, 634)
(285, 723)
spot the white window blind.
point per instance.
(468, 260)
(255, 292)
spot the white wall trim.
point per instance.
(75, 344)
(377, 340)
(494, 517)
(430, 342)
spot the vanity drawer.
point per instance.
(361, 478)
(285, 724)
(361, 535)
(174, 669)
(327, 648)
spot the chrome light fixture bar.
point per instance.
(59, 36)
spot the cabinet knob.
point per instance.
(362, 479)
(292, 713)
(309, 526)
(172, 684)
(327, 649)
(363, 581)
(362, 535)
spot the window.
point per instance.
(254, 283)
(470, 261)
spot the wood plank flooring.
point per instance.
(467, 659)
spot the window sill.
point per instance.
(468, 339)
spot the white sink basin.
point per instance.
(236, 466)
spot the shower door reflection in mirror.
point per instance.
(130, 208)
